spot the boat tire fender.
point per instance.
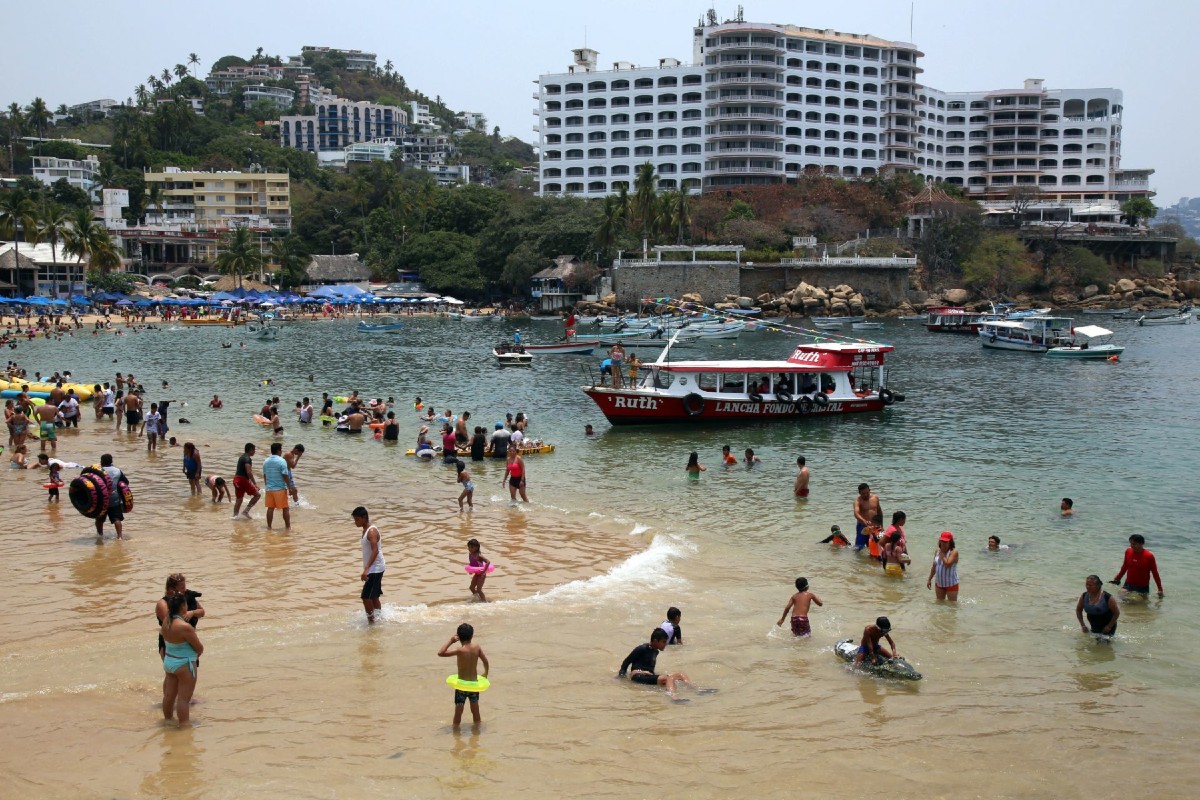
(899, 397)
(783, 395)
(804, 405)
(821, 398)
(755, 397)
(693, 404)
(886, 396)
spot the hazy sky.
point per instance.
(484, 56)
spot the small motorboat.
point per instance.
(384, 325)
(1090, 341)
(262, 330)
(867, 326)
(509, 354)
(1105, 312)
(568, 347)
(827, 324)
(1182, 318)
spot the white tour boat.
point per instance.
(1029, 334)
(1090, 341)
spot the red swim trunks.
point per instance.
(243, 487)
(800, 626)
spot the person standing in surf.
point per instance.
(866, 508)
(373, 564)
(1100, 607)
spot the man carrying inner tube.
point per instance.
(116, 499)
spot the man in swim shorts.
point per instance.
(800, 488)
(243, 482)
(866, 508)
(373, 564)
(1139, 567)
(277, 477)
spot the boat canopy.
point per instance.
(1092, 331)
(805, 358)
(1009, 325)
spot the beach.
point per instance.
(301, 698)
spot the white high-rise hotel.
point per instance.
(764, 103)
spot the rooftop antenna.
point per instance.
(911, 12)
(712, 15)
(740, 17)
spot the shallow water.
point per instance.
(301, 698)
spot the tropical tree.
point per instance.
(1136, 208)
(291, 261)
(52, 222)
(166, 76)
(645, 200)
(610, 224)
(181, 71)
(193, 60)
(141, 94)
(154, 198)
(675, 214)
(84, 236)
(39, 115)
(105, 257)
(241, 254)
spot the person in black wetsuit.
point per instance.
(177, 584)
(643, 659)
(478, 444)
(1100, 607)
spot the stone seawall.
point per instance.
(882, 287)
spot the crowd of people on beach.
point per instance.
(122, 404)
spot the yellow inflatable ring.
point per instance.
(480, 685)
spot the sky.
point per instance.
(485, 56)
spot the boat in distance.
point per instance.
(568, 347)
(1090, 341)
(823, 379)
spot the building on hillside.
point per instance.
(196, 104)
(93, 108)
(472, 120)
(356, 60)
(549, 287)
(447, 174)
(763, 103)
(82, 174)
(42, 269)
(427, 149)
(422, 117)
(197, 211)
(327, 270)
(223, 81)
(277, 96)
(339, 123)
(309, 91)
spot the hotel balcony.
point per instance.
(717, 169)
(756, 44)
(743, 80)
(752, 134)
(743, 115)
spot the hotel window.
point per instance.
(618, 86)
(620, 169)
(666, 116)
(643, 83)
(596, 119)
(620, 152)
(644, 116)
(643, 151)
(620, 119)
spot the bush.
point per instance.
(1150, 268)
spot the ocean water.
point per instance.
(301, 699)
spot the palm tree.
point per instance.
(194, 60)
(166, 76)
(645, 199)
(181, 71)
(362, 190)
(154, 198)
(152, 80)
(39, 115)
(86, 237)
(675, 214)
(610, 223)
(142, 95)
(105, 256)
(290, 259)
(16, 214)
(52, 223)
(241, 255)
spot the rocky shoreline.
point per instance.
(843, 300)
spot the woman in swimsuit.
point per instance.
(1100, 606)
(182, 658)
(515, 469)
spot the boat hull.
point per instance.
(652, 407)
(574, 348)
(1096, 351)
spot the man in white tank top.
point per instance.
(373, 564)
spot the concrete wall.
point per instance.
(882, 287)
(633, 284)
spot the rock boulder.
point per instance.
(1125, 285)
(956, 297)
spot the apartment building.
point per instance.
(765, 103)
(93, 108)
(277, 96)
(356, 60)
(421, 116)
(223, 81)
(339, 123)
(82, 174)
(471, 119)
(196, 211)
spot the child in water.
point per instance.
(693, 467)
(1067, 507)
(798, 604)
(218, 487)
(55, 481)
(469, 655)
(468, 492)
(672, 627)
(476, 560)
(870, 646)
